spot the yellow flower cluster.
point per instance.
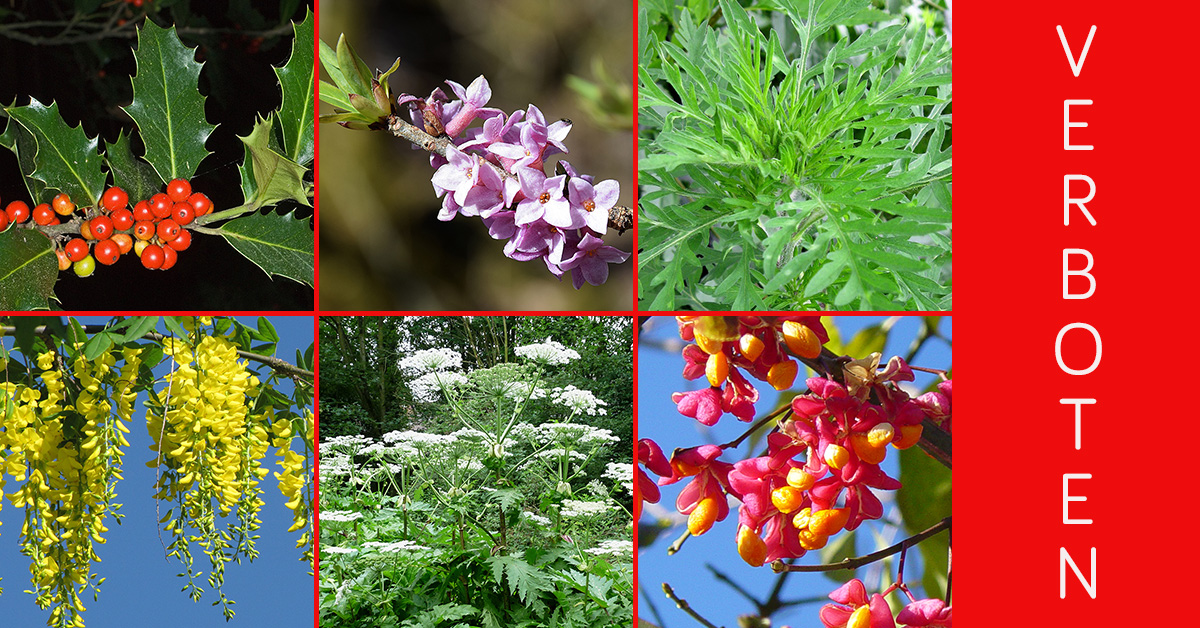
(211, 445)
(64, 444)
(294, 480)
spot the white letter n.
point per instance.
(1064, 559)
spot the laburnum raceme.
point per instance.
(497, 173)
(65, 447)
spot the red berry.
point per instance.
(179, 190)
(152, 256)
(86, 231)
(102, 227)
(144, 230)
(200, 203)
(122, 219)
(114, 198)
(17, 211)
(169, 258)
(76, 249)
(181, 241)
(107, 252)
(64, 262)
(3, 220)
(63, 205)
(183, 213)
(125, 241)
(168, 230)
(161, 205)
(43, 215)
(142, 211)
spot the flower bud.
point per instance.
(836, 456)
(801, 479)
(829, 521)
(801, 340)
(787, 498)
(717, 369)
(702, 518)
(811, 541)
(861, 443)
(782, 375)
(909, 435)
(860, 618)
(751, 346)
(751, 548)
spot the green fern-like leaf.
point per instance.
(524, 580)
(787, 165)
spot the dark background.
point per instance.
(86, 69)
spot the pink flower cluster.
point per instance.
(854, 609)
(497, 173)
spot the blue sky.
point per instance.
(659, 374)
(141, 587)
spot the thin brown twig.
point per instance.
(685, 607)
(854, 563)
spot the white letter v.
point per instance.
(1076, 67)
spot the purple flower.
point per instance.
(494, 130)
(591, 204)
(590, 262)
(472, 103)
(526, 154)
(501, 226)
(543, 197)
(493, 193)
(535, 240)
(458, 176)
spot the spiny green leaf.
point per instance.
(523, 579)
(279, 245)
(66, 159)
(20, 141)
(167, 105)
(134, 175)
(296, 79)
(28, 270)
(267, 176)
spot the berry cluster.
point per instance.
(497, 172)
(826, 453)
(154, 229)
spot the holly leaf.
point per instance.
(20, 141)
(925, 500)
(64, 158)
(167, 106)
(297, 81)
(134, 175)
(28, 270)
(267, 176)
(279, 245)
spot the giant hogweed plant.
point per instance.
(491, 525)
(796, 155)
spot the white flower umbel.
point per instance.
(621, 475)
(547, 352)
(429, 361)
(612, 548)
(341, 516)
(426, 387)
(520, 391)
(538, 519)
(349, 444)
(397, 546)
(329, 549)
(575, 508)
(577, 433)
(579, 400)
